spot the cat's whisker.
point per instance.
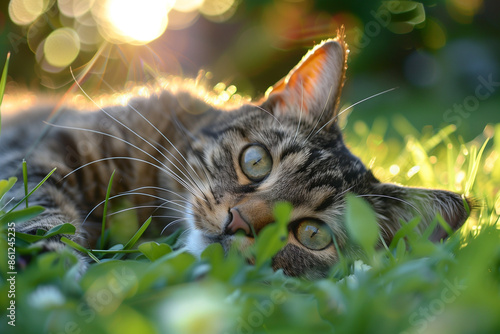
(174, 147)
(174, 176)
(175, 202)
(266, 111)
(170, 224)
(187, 230)
(3, 207)
(209, 179)
(182, 128)
(394, 198)
(198, 182)
(300, 114)
(124, 125)
(322, 113)
(185, 212)
(134, 193)
(190, 137)
(161, 146)
(344, 192)
(137, 208)
(161, 189)
(177, 210)
(179, 179)
(352, 106)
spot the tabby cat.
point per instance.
(221, 171)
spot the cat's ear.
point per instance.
(394, 203)
(314, 85)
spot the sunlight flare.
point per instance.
(130, 21)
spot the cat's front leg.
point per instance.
(59, 208)
(45, 222)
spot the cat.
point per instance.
(220, 171)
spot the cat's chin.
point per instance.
(195, 243)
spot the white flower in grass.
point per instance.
(197, 310)
(46, 297)
(352, 280)
(360, 266)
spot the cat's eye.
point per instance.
(256, 162)
(313, 234)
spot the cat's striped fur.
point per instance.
(182, 153)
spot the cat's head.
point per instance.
(289, 148)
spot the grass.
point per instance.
(409, 286)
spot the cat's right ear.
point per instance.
(313, 86)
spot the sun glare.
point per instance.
(132, 21)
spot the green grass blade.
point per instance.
(476, 159)
(273, 237)
(105, 211)
(117, 251)
(405, 230)
(138, 234)
(6, 185)
(444, 224)
(34, 189)
(56, 230)
(439, 137)
(361, 223)
(3, 81)
(79, 248)
(22, 215)
(451, 164)
(25, 179)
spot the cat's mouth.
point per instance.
(237, 241)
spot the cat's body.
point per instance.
(221, 170)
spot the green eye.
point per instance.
(256, 162)
(313, 234)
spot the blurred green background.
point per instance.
(439, 53)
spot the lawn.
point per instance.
(409, 286)
(439, 128)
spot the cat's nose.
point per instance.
(237, 223)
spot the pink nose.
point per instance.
(237, 223)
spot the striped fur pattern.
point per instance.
(176, 154)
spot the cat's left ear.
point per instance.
(394, 204)
(314, 85)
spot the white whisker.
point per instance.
(10, 200)
(191, 190)
(171, 223)
(352, 106)
(394, 198)
(322, 112)
(259, 107)
(134, 193)
(175, 148)
(160, 189)
(300, 114)
(139, 207)
(128, 128)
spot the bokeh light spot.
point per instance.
(422, 69)
(188, 5)
(132, 21)
(394, 169)
(74, 8)
(178, 20)
(217, 8)
(434, 34)
(463, 11)
(24, 12)
(61, 47)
